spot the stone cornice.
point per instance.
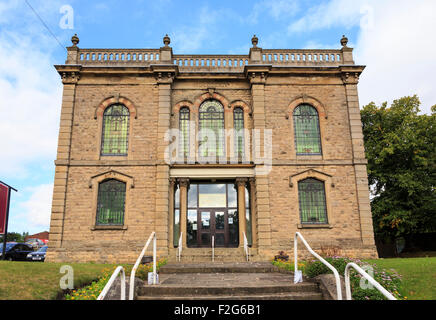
(70, 74)
(276, 162)
(167, 73)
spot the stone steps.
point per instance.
(274, 296)
(205, 255)
(219, 267)
(227, 281)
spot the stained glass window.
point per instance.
(111, 200)
(115, 130)
(176, 228)
(238, 124)
(184, 132)
(311, 194)
(306, 127)
(211, 126)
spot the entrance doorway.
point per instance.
(212, 212)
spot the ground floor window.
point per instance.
(176, 229)
(111, 202)
(311, 193)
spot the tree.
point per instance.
(400, 146)
(13, 237)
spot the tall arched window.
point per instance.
(238, 125)
(184, 132)
(115, 137)
(311, 196)
(111, 202)
(211, 129)
(306, 130)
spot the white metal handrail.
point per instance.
(118, 270)
(179, 248)
(371, 280)
(335, 272)
(213, 248)
(138, 261)
(246, 249)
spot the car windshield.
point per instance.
(43, 249)
(8, 246)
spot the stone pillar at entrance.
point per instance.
(240, 184)
(184, 186)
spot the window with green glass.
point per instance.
(306, 129)
(111, 202)
(176, 229)
(115, 131)
(248, 217)
(238, 125)
(211, 129)
(184, 132)
(311, 195)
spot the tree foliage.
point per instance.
(14, 237)
(400, 146)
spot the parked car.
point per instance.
(16, 251)
(35, 243)
(38, 255)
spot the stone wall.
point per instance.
(154, 96)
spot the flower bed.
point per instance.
(360, 288)
(92, 291)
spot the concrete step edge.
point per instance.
(272, 296)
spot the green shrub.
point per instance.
(92, 291)
(390, 280)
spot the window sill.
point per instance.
(314, 226)
(315, 156)
(108, 228)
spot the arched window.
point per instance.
(184, 132)
(306, 129)
(211, 129)
(238, 125)
(311, 195)
(111, 202)
(115, 135)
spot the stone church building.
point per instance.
(229, 151)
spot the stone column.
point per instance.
(171, 214)
(184, 187)
(252, 183)
(350, 78)
(359, 160)
(257, 76)
(240, 185)
(164, 82)
(70, 76)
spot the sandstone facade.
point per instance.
(154, 84)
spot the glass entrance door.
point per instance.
(213, 226)
(212, 212)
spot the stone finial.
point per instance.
(166, 40)
(344, 41)
(75, 40)
(254, 41)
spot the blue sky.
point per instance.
(393, 38)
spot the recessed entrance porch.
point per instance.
(210, 211)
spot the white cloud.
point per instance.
(395, 42)
(34, 213)
(188, 39)
(31, 97)
(399, 52)
(277, 9)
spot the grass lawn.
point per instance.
(418, 275)
(40, 281)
